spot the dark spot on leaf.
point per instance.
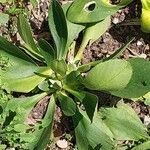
(104, 117)
(9, 118)
(144, 83)
(114, 2)
(90, 6)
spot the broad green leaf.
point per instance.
(110, 75)
(3, 18)
(77, 93)
(85, 67)
(46, 51)
(12, 60)
(58, 27)
(124, 123)
(68, 106)
(92, 33)
(73, 29)
(14, 54)
(72, 79)
(143, 146)
(23, 106)
(90, 135)
(26, 34)
(87, 11)
(59, 66)
(24, 78)
(42, 130)
(139, 84)
(45, 85)
(45, 130)
(90, 102)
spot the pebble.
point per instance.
(115, 20)
(147, 120)
(62, 143)
(143, 55)
(104, 51)
(139, 43)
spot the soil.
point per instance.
(125, 25)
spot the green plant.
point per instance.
(40, 70)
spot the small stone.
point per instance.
(143, 55)
(139, 43)
(104, 51)
(62, 143)
(115, 20)
(147, 120)
(147, 47)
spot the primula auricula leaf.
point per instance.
(15, 55)
(58, 27)
(87, 99)
(73, 29)
(110, 75)
(95, 134)
(24, 78)
(23, 106)
(87, 11)
(26, 34)
(90, 102)
(43, 134)
(95, 30)
(68, 106)
(47, 51)
(80, 95)
(72, 80)
(139, 83)
(92, 33)
(124, 123)
(13, 60)
(45, 85)
(59, 66)
(143, 146)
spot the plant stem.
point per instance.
(81, 49)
